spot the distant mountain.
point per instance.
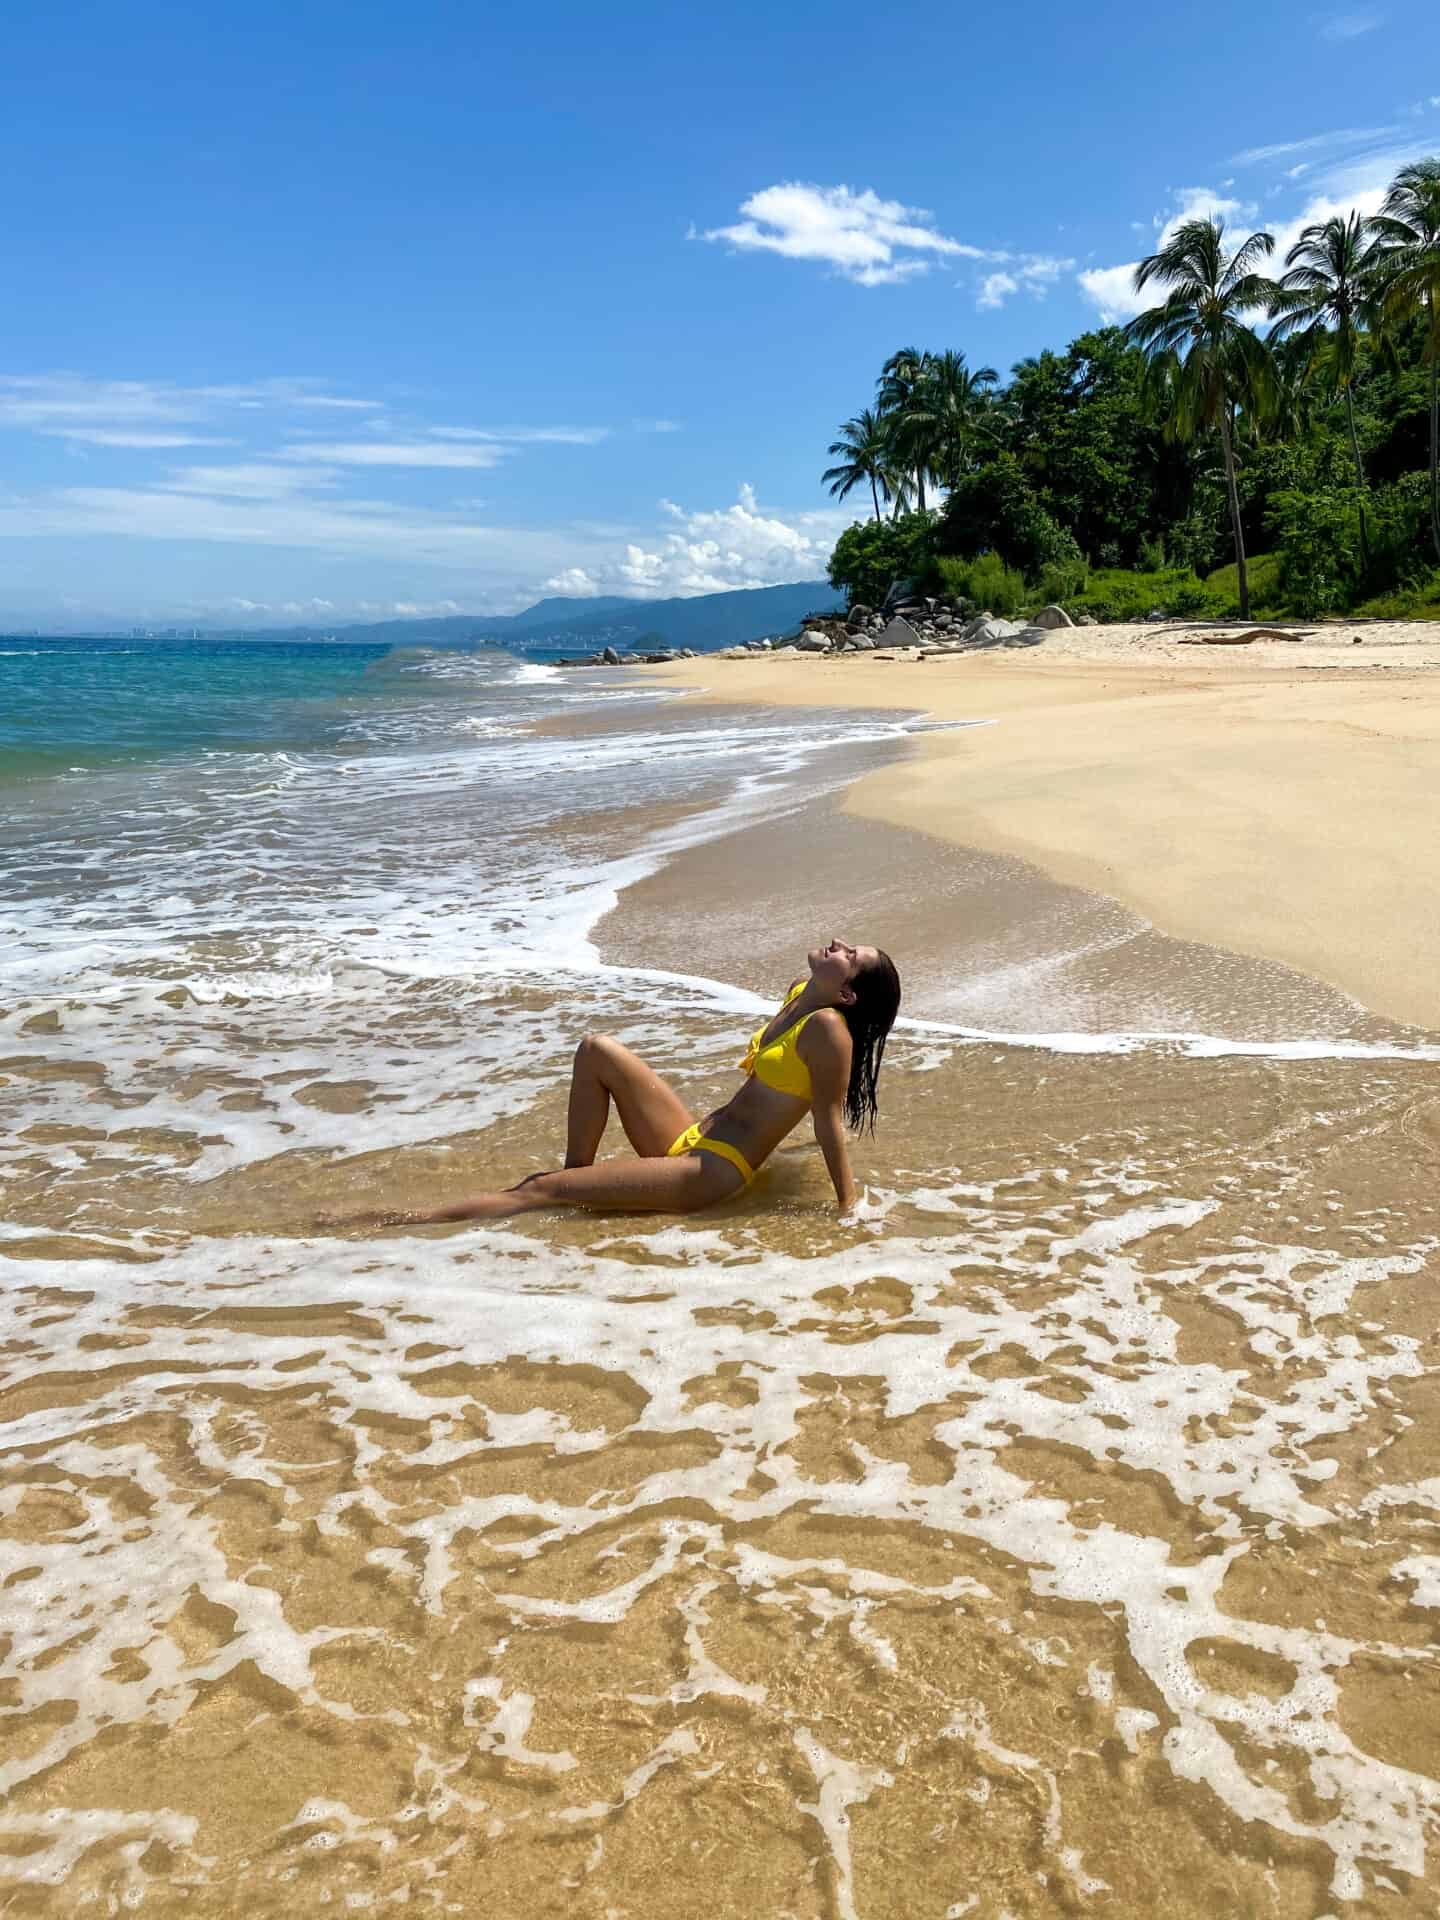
(705, 622)
(557, 608)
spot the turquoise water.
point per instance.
(106, 700)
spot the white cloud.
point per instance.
(131, 437)
(265, 509)
(744, 545)
(48, 402)
(1350, 26)
(101, 411)
(871, 241)
(1318, 210)
(371, 529)
(1335, 139)
(333, 400)
(395, 453)
(1312, 143)
(255, 481)
(1112, 289)
(994, 289)
(525, 436)
(575, 583)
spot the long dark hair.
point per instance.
(869, 1018)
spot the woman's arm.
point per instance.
(830, 1132)
(825, 1048)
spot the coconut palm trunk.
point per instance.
(875, 496)
(1227, 441)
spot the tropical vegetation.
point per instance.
(1263, 439)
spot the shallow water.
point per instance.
(1062, 1535)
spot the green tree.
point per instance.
(1325, 295)
(1407, 257)
(996, 510)
(1205, 362)
(873, 553)
(902, 379)
(950, 411)
(864, 450)
(1078, 424)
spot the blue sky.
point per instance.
(323, 312)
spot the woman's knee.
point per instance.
(594, 1048)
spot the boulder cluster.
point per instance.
(608, 657)
(910, 623)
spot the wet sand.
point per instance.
(1063, 1537)
(1282, 806)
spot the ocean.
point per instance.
(1060, 1535)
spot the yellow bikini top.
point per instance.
(779, 1064)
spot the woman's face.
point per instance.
(833, 967)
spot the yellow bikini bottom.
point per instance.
(692, 1140)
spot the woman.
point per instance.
(819, 1054)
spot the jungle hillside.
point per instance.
(1263, 441)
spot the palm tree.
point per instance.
(1328, 290)
(1205, 362)
(949, 408)
(898, 388)
(1407, 258)
(865, 453)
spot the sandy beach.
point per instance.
(1277, 799)
(1058, 1535)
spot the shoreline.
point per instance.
(1251, 805)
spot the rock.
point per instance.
(610, 657)
(1087, 620)
(1051, 617)
(992, 632)
(811, 641)
(1155, 616)
(859, 615)
(899, 633)
(1358, 641)
(900, 590)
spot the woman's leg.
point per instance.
(659, 1185)
(651, 1112)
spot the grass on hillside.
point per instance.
(1126, 594)
(1266, 597)
(1406, 603)
(1119, 593)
